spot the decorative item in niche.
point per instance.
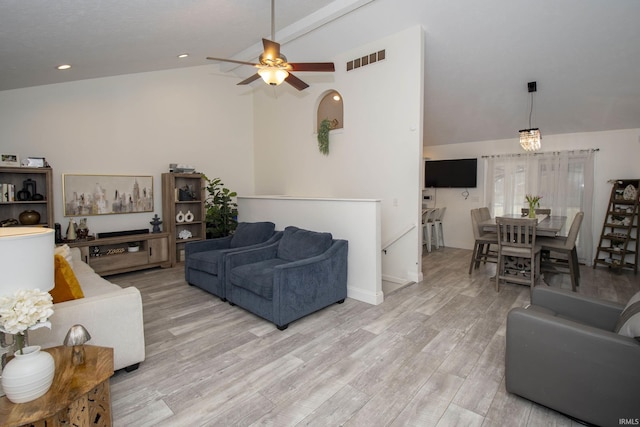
(330, 116)
(85, 195)
(331, 107)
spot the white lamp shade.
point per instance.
(26, 259)
(273, 75)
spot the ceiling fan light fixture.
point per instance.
(273, 75)
(530, 139)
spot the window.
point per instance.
(563, 179)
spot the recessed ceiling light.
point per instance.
(183, 55)
(63, 67)
(336, 97)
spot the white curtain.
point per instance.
(563, 179)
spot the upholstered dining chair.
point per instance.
(543, 211)
(518, 252)
(561, 252)
(485, 213)
(482, 251)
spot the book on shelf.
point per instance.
(7, 192)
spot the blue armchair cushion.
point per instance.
(252, 233)
(257, 277)
(203, 261)
(297, 244)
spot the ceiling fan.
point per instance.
(273, 66)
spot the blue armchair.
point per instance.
(204, 259)
(303, 272)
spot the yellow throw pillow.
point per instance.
(66, 284)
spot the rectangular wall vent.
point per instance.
(366, 60)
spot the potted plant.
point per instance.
(221, 210)
(323, 136)
(534, 203)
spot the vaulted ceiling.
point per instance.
(479, 55)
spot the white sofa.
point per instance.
(111, 314)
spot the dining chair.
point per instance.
(482, 253)
(561, 252)
(439, 231)
(518, 252)
(485, 214)
(544, 211)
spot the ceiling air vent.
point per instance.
(366, 60)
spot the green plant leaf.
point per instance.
(221, 210)
(323, 136)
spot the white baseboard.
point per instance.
(365, 296)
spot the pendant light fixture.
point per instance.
(530, 138)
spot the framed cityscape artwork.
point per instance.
(85, 195)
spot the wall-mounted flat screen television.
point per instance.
(458, 173)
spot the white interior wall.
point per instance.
(618, 158)
(377, 154)
(134, 124)
(354, 220)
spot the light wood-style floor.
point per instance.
(431, 355)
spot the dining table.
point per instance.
(548, 225)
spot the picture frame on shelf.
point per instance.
(12, 160)
(35, 162)
(86, 194)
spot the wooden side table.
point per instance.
(79, 395)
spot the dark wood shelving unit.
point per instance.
(619, 241)
(174, 202)
(42, 179)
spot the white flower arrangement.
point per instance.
(26, 309)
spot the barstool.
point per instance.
(438, 227)
(428, 216)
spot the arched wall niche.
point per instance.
(331, 107)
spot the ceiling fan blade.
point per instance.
(248, 80)
(271, 49)
(312, 66)
(296, 82)
(232, 60)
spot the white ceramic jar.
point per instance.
(29, 375)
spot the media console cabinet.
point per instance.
(113, 255)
